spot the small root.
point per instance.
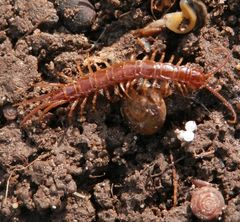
(20, 168)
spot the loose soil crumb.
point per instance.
(100, 170)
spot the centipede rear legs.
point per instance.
(81, 102)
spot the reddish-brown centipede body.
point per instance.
(121, 77)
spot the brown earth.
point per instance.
(100, 170)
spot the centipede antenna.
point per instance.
(225, 102)
(222, 65)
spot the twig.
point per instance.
(175, 181)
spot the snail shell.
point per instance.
(207, 203)
(194, 12)
(145, 111)
(9, 112)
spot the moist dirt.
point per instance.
(100, 169)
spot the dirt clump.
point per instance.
(99, 169)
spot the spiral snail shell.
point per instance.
(145, 111)
(9, 112)
(207, 203)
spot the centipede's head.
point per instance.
(197, 79)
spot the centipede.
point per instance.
(120, 77)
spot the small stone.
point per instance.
(191, 126)
(15, 205)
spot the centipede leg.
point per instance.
(180, 88)
(162, 57)
(225, 103)
(94, 101)
(64, 76)
(146, 57)
(101, 61)
(123, 89)
(144, 87)
(185, 88)
(165, 89)
(179, 61)
(51, 106)
(49, 84)
(97, 66)
(79, 68)
(133, 82)
(147, 31)
(36, 99)
(171, 59)
(128, 86)
(154, 84)
(106, 92)
(72, 108)
(153, 56)
(106, 64)
(133, 57)
(82, 106)
(34, 111)
(89, 67)
(117, 91)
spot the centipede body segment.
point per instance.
(121, 77)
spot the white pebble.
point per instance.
(186, 136)
(191, 126)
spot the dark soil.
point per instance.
(100, 170)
